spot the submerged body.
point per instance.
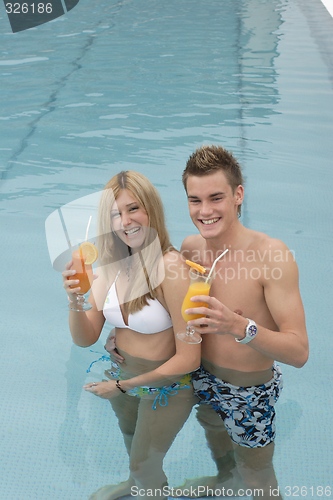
(138, 291)
(253, 317)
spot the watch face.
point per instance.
(252, 330)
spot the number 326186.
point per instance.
(28, 8)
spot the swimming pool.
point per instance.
(124, 84)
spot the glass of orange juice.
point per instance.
(200, 284)
(82, 259)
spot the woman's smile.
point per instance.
(129, 219)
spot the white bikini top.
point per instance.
(152, 318)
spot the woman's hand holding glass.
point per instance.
(77, 284)
(78, 276)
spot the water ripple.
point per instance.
(14, 62)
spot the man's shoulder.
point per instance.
(269, 247)
(264, 240)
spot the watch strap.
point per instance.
(251, 331)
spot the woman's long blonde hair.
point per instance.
(113, 252)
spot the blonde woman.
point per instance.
(140, 286)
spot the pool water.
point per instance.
(116, 85)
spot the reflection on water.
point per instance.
(73, 439)
(320, 31)
(181, 89)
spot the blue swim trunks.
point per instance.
(247, 412)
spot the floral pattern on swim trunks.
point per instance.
(247, 412)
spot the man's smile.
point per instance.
(208, 222)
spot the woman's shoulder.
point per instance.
(175, 272)
(194, 243)
(172, 257)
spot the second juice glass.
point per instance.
(199, 285)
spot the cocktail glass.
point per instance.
(199, 285)
(84, 274)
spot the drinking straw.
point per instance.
(214, 264)
(62, 220)
(87, 230)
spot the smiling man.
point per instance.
(253, 318)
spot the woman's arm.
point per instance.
(187, 356)
(85, 327)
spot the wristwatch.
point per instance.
(250, 332)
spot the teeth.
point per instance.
(210, 221)
(132, 231)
